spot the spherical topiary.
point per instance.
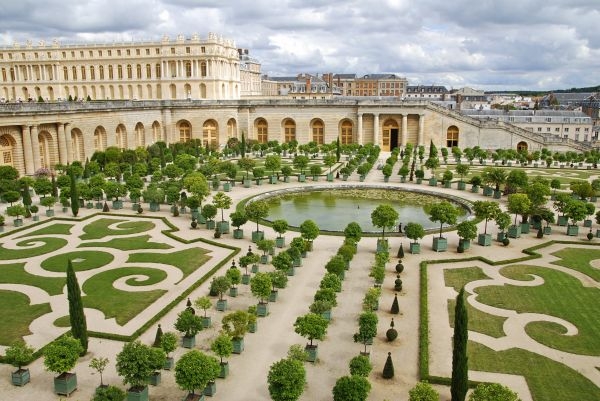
(388, 369)
(395, 307)
(194, 224)
(540, 233)
(505, 241)
(140, 210)
(398, 283)
(399, 267)
(590, 236)
(391, 334)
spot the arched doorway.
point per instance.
(289, 130)
(185, 131)
(522, 146)
(77, 146)
(318, 131)
(47, 149)
(140, 135)
(389, 138)
(121, 137)
(452, 136)
(156, 132)
(346, 135)
(262, 130)
(99, 139)
(6, 150)
(231, 128)
(210, 134)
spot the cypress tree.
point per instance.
(158, 337)
(76, 315)
(388, 368)
(54, 187)
(338, 152)
(395, 307)
(243, 146)
(26, 196)
(74, 195)
(460, 379)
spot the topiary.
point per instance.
(105, 208)
(400, 254)
(175, 212)
(388, 369)
(391, 334)
(140, 210)
(399, 267)
(398, 283)
(540, 233)
(395, 307)
(505, 241)
(194, 224)
(590, 236)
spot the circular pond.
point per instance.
(333, 208)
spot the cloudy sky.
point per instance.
(485, 44)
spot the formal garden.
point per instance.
(173, 255)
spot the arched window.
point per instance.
(188, 69)
(121, 137)
(139, 71)
(452, 136)
(140, 135)
(318, 135)
(158, 71)
(148, 71)
(99, 139)
(289, 130)
(156, 132)
(65, 73)
(209, 134)
(185, 131)
(346, 136)
(92, 73)
(120, 71)
(203, 69)
(231, 128)
(6, 151)
(101, 71)
(83, 76)
(262, 131)
(129, 72)
(522, 146)
(74, 71)
(110, 72)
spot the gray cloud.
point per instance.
(514, 44)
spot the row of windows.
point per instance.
(102, 53)
(557, 129)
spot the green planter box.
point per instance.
(311, 353)
(440, 244)
(247, 183)
(524, 228)
(484, 239)
(224, 370)
(327, 315)
(18, 222)
(403, 179)
(464, 243)
(386, 178)
(461, 185)
(280, 242)
(301, 178)
(20, 377)
(572, 231)
(382, 245)
(488, 191)
(245, 279)
(137, 394)
(273, 179)
(448, 184)
(264, 259)
(210, 224)
(226, 187)
(286, 179)
(233, 292)
(117, 204)
(252, 327)
(49, 212)
(361, 178)
(330, 177)
(547, 230)
(262, 309)
(419, 180)
(475, 188)
(154, 207)
(99, 205)
(500, 236)
(598, 233)
(35, 218)
(497, 194)
(238, 233)
(274, 295)
(291, 271)
(433, 182)
(514, 231)
(90, 205)
(562, 221)
(315, 178)
(65, 383)
(223, 227)
(169, 363)
(297, 262)
(188, 342)
(257, 235)
(154, 379)
(414, 248)
(587, 223)
(238, 345)
(254, 268)
(210, 389)
(222, 305)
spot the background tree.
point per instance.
(246, 164)
(460, 380)
(280, 226)
(462, 170)
(351, 388)
(286, 379)
(300, 162)
(486, 210)
(384, 216)
(518, 204)
(257, 210)
(61, 355)
(414, 231)
(309, 230)
(444, 212)
(272, 163)
(222, 346)
(221, 201)
(260, 286)
(311, 326)
(76, 314)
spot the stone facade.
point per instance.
(34, 135)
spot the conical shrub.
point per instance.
(395, 307)
(388, 369)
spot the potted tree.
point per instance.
(260, 286)
(280, 226)
(265, 245)
(367, 329)
(300, 162)
(576, 211)
(17, 211)
(238, 219)
(554, 184)
(403, 172)
(419, 174)
(309, 231)
(194, 203)
(168, 343)
(475, 183)
(517, 204)
(387, 172)
(313, 327)
(99, 365)
(246, 164)
(209, 212)
(34, 209)
(383, 216)
(244, 262)
(193, 371)
(444, 212)
(286, 171)
(462, 170)
(561, 202)
(60, 357)
(219, 286)
(258, 173)
(189, 325)
(235, 324)
(447, 178)
(502, 221)
(222, 346)
(467, 231)
(18, 355)
(205, 304)
(272, 163)
(371, 299)
(135, 364)
(485, 210)
(234, 276)
(49, 202)
(415, 232)
(158, 360)
(222, 201)
(321, 307)
(255, 211)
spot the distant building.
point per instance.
(346, 83)
(427, 92)
(566, 100)
(301, 86)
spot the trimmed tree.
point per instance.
(351, 388)
(61, 355)
(384, 216)
(309, 230)
(444, 212)
(257, 210)
(135, 364)
(286, 379)
(486, 210)
(388, 368)
(423, 391)
(493, 392)
(360, 365)
(460, 379)
(76, 314)
(195, 369)
(367, 328)
(311, 326)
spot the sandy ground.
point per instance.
(248, 371)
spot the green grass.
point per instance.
(547, 380)
(457, 278)
(53, 229)
(578, 259)
(15, 274)
(187, 260)
(561, 296)
(479, 321)
(81, 260)
(122, 305)
(128, 244)
(101, 228)
(49, 245)
(17, 314)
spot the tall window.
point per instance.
(289, 131)
(209, 134)
(83, 77)
(148, 70)
(139, 71)
(346, 134)
(74, 70)
(101, 72)
(188, 69)
(156, 132)
(121, 137)
(129, 72)
(110, 72)
(262, 131)
(452, 137)
(65, 73)
(318, 132)
(120, 71)
(158, 71)
(92, 73)
(185, 132)
(203, 69)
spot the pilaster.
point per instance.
(360, 129)
(27, 150)
(404, 129)
(62, 147)
(35, 146)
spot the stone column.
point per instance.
(62, 148)
(360, 129)
(35, 146)
(27, 150)
(376, 130)
(68, 142)
(404, 129)
(421, 128)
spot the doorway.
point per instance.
(393, 138)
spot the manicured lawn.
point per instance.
(81, 260)
(187, 260)
(562, 296)
(52, 229)
(578, 259)
(547, 380)
(122, 305)
(32, 247)
(17, 314)
(101, 228)
(128, 244)
(479, 321)
(15, 274)
(457, 278)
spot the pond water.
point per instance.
(333, 209)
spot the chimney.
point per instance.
(308, 84)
